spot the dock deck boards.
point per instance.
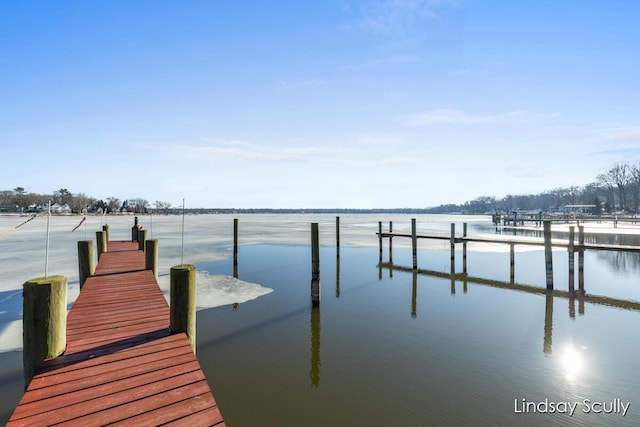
(121, 366)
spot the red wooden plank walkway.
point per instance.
(121, 366)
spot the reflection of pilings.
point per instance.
(512, 263)
(593, 299)
(414, 243)
(571, 250)
(453, 284)
(314, 371)
(414, 294)
(337, 277)
(572, 305)
(452, 243)
(315, 265)
(548, 322)
(548, 255)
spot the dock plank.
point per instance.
(120, 365)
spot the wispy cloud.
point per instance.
(396, 17)
(398, 161)
(236, 149)
(444, 116)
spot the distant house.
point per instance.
(60, 209)
(9, 208)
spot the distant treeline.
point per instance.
(617, 190)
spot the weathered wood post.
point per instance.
(452, 243)
(86, 260)
(512, 263)
(235, 242)
(571, 251)
(380, 241)
(548, 255)
(581, 260)
(105, 228)
(390, 244)
(414, 243)
(134, 230)
(182, 297)
(44, 322)
(315, 265)
(142, 238)
(337, 237)
(151, 256)
(464, 248)
(101, 243)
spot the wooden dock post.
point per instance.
(414, 243)
(512, 263)
(105, 228)
(581, 259)
(235, 243)
(315, 265)
(380, 241)
(452, 242)
(101, 243)
(44, 322)
(390, 243)
(151, 256)
(142, 238)
(464, 248)
(548, 255)
(571, 252)
(337, 237)
(182, 297)
(86, 260)
(134, 230)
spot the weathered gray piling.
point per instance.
(390, 243)
(337, 237)
(452, 243)
(142, 237)
(512, 263)
(44, 322)
(380, 241)
(414, 244)
(235, 242)
(464, 248)
(182, 297)
(581, 259)
(571, 251)
(548, 255)
(86, 260)
(101, 243)
(151, 256)
(315, 265)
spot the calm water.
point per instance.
(415, 350)
(397, 348)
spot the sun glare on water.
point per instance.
(572, 362)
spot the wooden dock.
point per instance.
(121, 365)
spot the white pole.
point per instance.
(182, 252)
(151, 221)
(46, 251)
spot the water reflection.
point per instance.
(314, 371)
(548, 323)
(338, 276)
(414, 295)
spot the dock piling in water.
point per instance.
(315, 265)
(235, 244)
(452, 243)
(548, 255)
(101, 243)
(414, 244)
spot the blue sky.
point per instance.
(327, 103)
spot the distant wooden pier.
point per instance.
(121, 364)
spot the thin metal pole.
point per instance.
(151, 223)
(182, 251)
(46, 251)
